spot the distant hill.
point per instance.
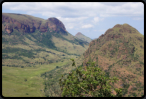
(120, 52)
(83, 37)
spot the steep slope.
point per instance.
(79, 35)
(120, 52)
(27, 39)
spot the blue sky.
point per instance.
(90, 18)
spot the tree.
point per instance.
(57, 66)
(25, 79)
(87, 81)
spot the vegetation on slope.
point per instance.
(22, 17)
(36, 48)
(26, 56)
(83, 37)
(120, 52)
(68, 87)
(88, 82)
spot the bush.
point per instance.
(25, 79)
(88, 82)
(57, 66)
(22, 66)
(134, 94)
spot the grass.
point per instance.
(14, 84)
(26, 81)
(68, 46)
(34, 52)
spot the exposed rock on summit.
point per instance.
(28, 24)
(55, 24)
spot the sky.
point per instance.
(90, 18)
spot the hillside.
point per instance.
(79, 35)
(26, 45)
(32, 46)
(36, 52)
(120, 52)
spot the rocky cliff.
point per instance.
(28, 24)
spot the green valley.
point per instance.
(37, 52)
(27, 56)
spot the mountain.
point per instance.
(32, 47)
(50, 33)
(36, 52)
(28, 24)
(79, 35)
(120, 52)
(32, 35)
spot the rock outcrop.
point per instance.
(55, 25)
(29, 25)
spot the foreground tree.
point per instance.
(89, 81)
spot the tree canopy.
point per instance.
(88, 81)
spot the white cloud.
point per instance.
(71, 27)
(87, 26)
(76, 19)
(137, 18)
(78, 9)
(71, 23)
(79, 15)
(96, 19)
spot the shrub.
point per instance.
(22, 66)
(88, 82)
(134, 94)
(57, 66)
(25, 79)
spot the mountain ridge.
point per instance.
(38, 45)
(28, 24)
(50, 34)
(120, 52)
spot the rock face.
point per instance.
(55, 25)
(119, 51)
(44, 27)
(9, 28)
(24, 23)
